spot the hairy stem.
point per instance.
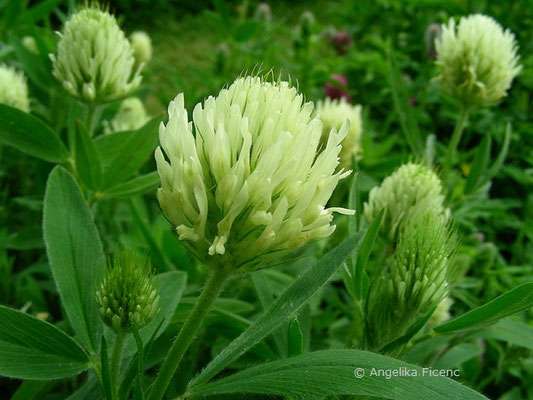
(456, 137)
(115, 362)
(209, 294)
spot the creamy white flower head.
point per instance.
(243, 182)
(333, 113)
(410, 187)
(13, 88)
(131, 115)
(142, 47)
(442, 312)
(478, 60)
(94, 59)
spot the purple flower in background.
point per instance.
(337, 87)
(342, 41)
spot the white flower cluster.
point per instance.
(410, 188)
(131, 115)
(333, 113)
(245, 180)
(13, 88)
(478, 60)
(95, 61)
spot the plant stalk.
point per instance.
(209, 294)
(456, 137)
(115, 362)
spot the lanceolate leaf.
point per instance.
(333, 373)
(75, 254)
(34, 349)
(123, 153)
(517, 299)
(30, 135)
(281, 310)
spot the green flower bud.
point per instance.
(94, 59)
(30, 44)
(417, 278)
(13, 88)
(127, 297)
(131, 115)
(245, 182)
(409, 188)
(142, 47)
(477, 59)
(333, 113)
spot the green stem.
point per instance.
(209, 294)
(90, 117)
(456, 137)
(115, 362)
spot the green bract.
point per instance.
(410, 188)
(94, 59)
(245, 181)
(131, 115)
(333, 113)
(127, 297)
(13, 88)
(477, 59)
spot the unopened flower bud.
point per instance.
(30, 44)
(263, 13)
(127, 297)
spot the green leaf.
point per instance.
(30, 135)
(123, 153)
(332, 373)
(88, 162)
(75, 253)
(479, 165)
(429, 149)
(510, 331)
(518, 299)
(454, 357)
(34, 349)
(295, 338)
(403, 108)
(139, 185)
(30, 390)
(283, 309)
(38, 67)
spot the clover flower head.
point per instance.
(419, 268)
(478, 60)
(13, 88)
(333, 113)
(410, 187)
(131, 115)
(94, 60)
(142, 47)
(245, 181)
(127, 297)
(417, 278)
